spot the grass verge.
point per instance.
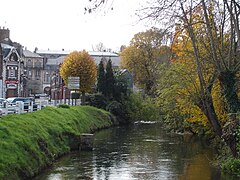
(32, 141)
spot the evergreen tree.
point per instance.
(101, 80)
(121, 87)
(109, 80)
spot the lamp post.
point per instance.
(53, 87)
(23, 82)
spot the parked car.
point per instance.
(27, 100)
(2, 100)
(2, 105)
(1, 112)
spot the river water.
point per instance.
(143, 151)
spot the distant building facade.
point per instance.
(10, 65)
(52, 82)
(33, 73)
(25, 73)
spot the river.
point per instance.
(143, 151)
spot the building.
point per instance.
(32, 75)
(52, 82)
(10, 65)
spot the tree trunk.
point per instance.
(206, 105)
(228, 85)
(229, 133)
(83, 98)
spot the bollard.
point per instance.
(86, 142)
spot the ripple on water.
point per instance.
(64, 168)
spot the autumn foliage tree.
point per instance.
(80, 64)
(211, 28)
(142, 57)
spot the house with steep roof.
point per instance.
(10, 71)
(10, 65)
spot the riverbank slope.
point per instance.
(32, 141)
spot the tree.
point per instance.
(101, 79)
(80, 64)
(109, 80)
(143, 56)
(211, 27)
(97, 4)
(99, 47)
(218, 34)
(121, 85)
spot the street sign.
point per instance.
(11, 81)
(73, 82)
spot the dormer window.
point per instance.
(13, 57)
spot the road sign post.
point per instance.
(74, 83)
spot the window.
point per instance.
(38, 64)
(37, 75)
(29, 63)
(13, 57)
(46, 77)
(30, 74)
(12, 72)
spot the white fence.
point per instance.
(23, 107)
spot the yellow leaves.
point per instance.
(80, 64)
(219, 103)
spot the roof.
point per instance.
(29, 54)
(7, 49)
(55, 61)
(64, 52)
(99, 53)
(6, 46)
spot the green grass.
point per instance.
(29, 142)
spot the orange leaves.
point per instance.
(80, 64)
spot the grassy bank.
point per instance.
(29, 142)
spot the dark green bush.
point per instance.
(63, 106)
(118, 110)
(232, 166)
(96, 100)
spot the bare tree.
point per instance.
(99, 47)
(94, 5)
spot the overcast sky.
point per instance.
(61, 24)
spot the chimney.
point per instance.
(4, 34)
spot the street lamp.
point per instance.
(23, 82)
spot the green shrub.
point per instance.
(118, 110)
(231, 166)
(63, 106)
(140, 108)
(96, 100)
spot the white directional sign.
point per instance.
(73, 82)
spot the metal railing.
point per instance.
(24, 107)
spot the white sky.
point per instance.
(61, 24)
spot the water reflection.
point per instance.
(142, 151)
